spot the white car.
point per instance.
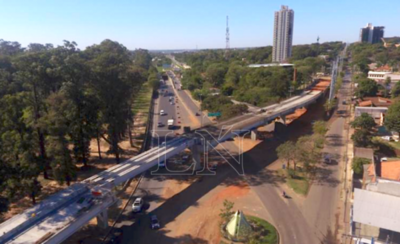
(162, 112)
(137, 204)
(386, 138)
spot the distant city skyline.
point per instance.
(161, 25)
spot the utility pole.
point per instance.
(227, 38)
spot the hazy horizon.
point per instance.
(157, 25)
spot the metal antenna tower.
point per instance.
(227, 38)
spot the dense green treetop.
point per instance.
(392, 118)
(54, 101)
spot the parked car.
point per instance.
(137, 204)
(178, 161)
(155, 224)
(327, 159)
(213, 167)
(160, 124)
(387, 138)
(161, 164)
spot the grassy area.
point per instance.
(264, 232)
(143, 100)
(159, 69)
(395, 145)
(180, 66)
(389, 149)
(299, 183)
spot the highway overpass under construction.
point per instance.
(62, 214)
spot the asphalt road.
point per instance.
(151, 187)
(162, 102)
(190, 106)
(321, 206)
(316, 219)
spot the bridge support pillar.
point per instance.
(253, 135)
(102, 219)
(282, 120)
(196, 156)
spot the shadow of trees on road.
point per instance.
(325, 176)
(334, 140)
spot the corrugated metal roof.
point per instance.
(377, 209)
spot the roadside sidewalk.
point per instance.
(346, 194)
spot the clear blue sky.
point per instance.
(175, 24)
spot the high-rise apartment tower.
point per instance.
(283, 34)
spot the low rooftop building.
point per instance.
(376, 211)
(374, 102)
(381, 76)
(390, 170)
(391, 41)
(378, 113)
(384, 68)
(365, 104)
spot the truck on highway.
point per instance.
(170, 124)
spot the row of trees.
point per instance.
(258, 86)
(364, 53)
(367, 87)
(202, 59)
(306, 151)
(363, 126)
(54, 101)
(224, 105)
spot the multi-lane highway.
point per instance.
(166, 102)
(194, 116)
(184, 110)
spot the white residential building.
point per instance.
(283, 34)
